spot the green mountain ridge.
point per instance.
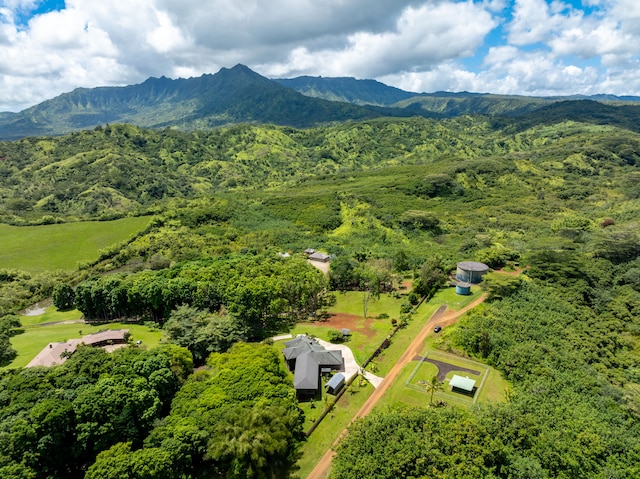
(240, 95)
(236, 95)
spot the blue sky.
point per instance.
(525, 47)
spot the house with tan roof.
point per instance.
(59, 352)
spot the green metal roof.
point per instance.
(459, 382)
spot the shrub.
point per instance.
(607, 222)
(335, 336)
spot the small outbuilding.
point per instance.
(463, 288)
(334, 384)
(471, 271)
(462, 385)
(320, 257)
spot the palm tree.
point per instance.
(432, 386)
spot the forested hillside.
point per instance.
(390, 199)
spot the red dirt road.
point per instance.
(441, 317)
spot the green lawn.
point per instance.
(351, 302)
(400, 342)
(332, 425)
(51, 315)
(37, 333)
(455, 301)
(62, 246)
(406, 389)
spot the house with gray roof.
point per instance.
(308, 360)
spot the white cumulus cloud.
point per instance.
(502, 46)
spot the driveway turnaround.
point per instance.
(351, 368)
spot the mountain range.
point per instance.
(240, 95)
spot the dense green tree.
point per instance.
(420, 220)
(120, 462)
(7, 353)
(263, 293)
(618, 245)
(431, 276)
(63, 296)
(375, 278)
(343, 274)
(417, 443)
(254, 442)
(203, 333)
(238, 419)
(500, 286)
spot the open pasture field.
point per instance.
(62, 246)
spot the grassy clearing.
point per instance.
(51, 315)
(424, 371)
(455, 301)
(364, 338)
(407, 389)
(62, 246)
(37, 333)
(403, 338)
(351, 302)
(331, 427)
(362, 345)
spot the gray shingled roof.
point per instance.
(310, 357)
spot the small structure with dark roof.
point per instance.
(321, 257)
(307, 360)
(471, 271)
